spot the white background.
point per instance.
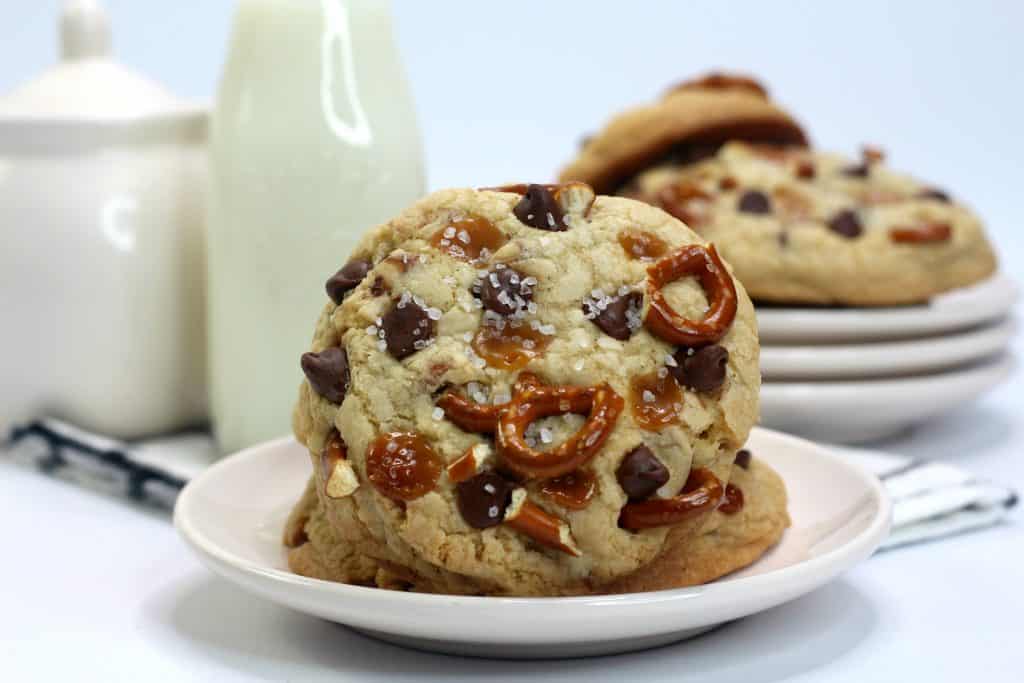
(504, 91)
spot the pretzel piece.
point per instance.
(468, 414)
(926, 233)
(705, 264)
(476, 417)
(702, 493)
(540, 525)
(533, 401)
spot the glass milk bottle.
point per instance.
(313, 141)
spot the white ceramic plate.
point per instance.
(232, 516)
(878, 359)
(865, 410)
(956, 310)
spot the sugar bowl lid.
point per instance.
(88, 88)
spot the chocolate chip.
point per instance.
(753, 201)
(482, 499)
(846, 223)
(538, 209)
(805, 170)
(346, 279)
(743, 459)
(618, 315)
(505, 291)
(703, 370)
(327, 372)
(407, 327)
(933, 193)
(856, 171)
(640, 474)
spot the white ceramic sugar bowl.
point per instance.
(102, 274)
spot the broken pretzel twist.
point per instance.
(704, 263)
(702, 493)
(531, 401)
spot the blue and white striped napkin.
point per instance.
(151, 471)
(931, 500)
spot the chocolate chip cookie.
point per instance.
(750, 520)
(689, 123)
(798, 225)
(526, 390)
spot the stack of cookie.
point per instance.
(530, 390)
(857, 249)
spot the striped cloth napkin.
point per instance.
(931, 500)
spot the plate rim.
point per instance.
(776, 324)
(997, 334)
(1000, 364)
(237, 570)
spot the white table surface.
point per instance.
(98, 589)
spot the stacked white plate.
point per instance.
(850, 375)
